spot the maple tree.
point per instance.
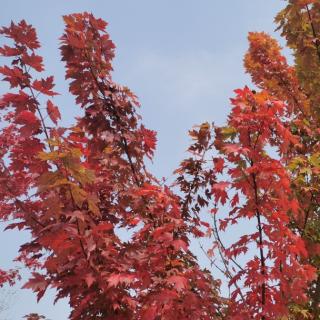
(74, 188)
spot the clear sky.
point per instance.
(183, 58)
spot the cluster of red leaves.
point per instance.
(34, 316)
(253, 187)
(74, 188)
(8, 277)
(261, 190)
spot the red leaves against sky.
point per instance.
(276, 274)
(90, 180)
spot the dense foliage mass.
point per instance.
(74, 188)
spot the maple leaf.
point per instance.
(14, 98)
(7, 51)
(219, 191)
(44, 86)
(76, 215)
(22, 33)
(33, 61)
(218, 164)
(149, 139)
(53, 112)
(179, 282)
(38, 284)
(235, 148)
(180, 244)
(235, 200)
(115, 279)
(27, 117)
(90, 279)
(14, 76)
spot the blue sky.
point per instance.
(182, 58)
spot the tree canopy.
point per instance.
(73, 188)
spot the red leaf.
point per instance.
(9, 51)
(180, 244)
(76, 41)
(38, 284)
(13, 75)
(219, 191)
(149, 139)
(235, 200)
(106, 226)
(150, 313)
(53, 112)
(27, 117)
(235, 148)
(218, 164)
(179, 282)
(44, 86)
(116, 279)
(22, 33)
(33, 61)
(13, 98)
(90, 279)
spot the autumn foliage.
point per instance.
(76, 189)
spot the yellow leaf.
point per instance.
(295, 163)
(78, 195)
(93, 201)
(51, 156)
(228, 131)
(51, 180)
(315, 159)
(107, 150)
(205, 126)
